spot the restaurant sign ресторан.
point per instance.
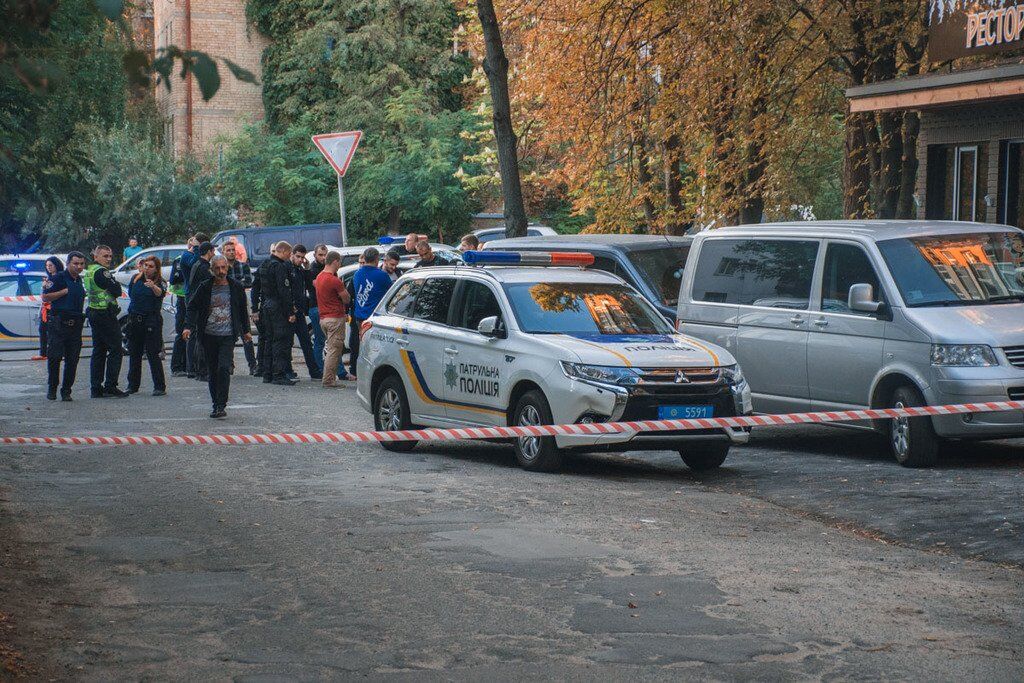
(960, 28)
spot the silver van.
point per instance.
(838, 315)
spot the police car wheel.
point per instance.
(535, 453)
(701, 457)
(391, 413)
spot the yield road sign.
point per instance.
(338, 148)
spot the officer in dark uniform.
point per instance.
(302, 294)
(263, 341)
(103, 311)
(277, 312)
(66, 295)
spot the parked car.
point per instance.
(841, 315)
(653, 264)
(166, 253)
(257, 241)
(489, 234)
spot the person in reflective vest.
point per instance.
(102, 312)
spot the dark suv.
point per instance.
(651, 263)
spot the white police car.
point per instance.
(499, 346)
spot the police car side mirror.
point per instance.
(490, 327)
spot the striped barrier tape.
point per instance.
(590, 429)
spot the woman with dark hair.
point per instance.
(53, 266)
(145, 326)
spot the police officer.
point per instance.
(176, 287)
(107, 350)
(66, 296)
(277, 313)
(304, 296)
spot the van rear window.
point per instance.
(748, 272)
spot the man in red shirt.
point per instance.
(333, 299)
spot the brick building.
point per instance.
(971, 143)
(218, 28)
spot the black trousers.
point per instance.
(44, 326)
(301, 329)
(107, 349)
(219, 352)
(195, 363)
(353, 344)
(178, 350)
(263, 348)
(145, 336)
(280, 332)
(64, 343)
(250, 353)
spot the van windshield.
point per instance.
(662, 269)
(957, 270)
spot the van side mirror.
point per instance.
(862, 299)
(491, 327)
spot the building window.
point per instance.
(1011, 182)
(955, 182)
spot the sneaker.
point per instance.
(51, 395)
(116, 393)
(65, 395)
(292, 375)
(285, 382)
(218, 413)
(159, 392)
(38, 357)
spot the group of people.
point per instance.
(212, 312)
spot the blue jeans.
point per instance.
(318, 337)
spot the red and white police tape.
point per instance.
(590, 429)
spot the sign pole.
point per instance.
(341, 206)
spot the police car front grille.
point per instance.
(1015, 354)
(680, 375)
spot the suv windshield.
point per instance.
(583, 308)
(662, 269)
(949, 270)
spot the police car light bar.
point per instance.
(20, 265)
(387, 240)
(528, 258)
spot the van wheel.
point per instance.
(535, 453)
(391, 413)
(912, 440)
(701, 457)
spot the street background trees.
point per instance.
(626, 115)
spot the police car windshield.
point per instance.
(583, 308)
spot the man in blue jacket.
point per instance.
(369, 286)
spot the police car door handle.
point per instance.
(452, 352)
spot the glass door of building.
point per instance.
(965, 183)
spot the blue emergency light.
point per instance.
(528, 258)
(388, 240)
(20, 265)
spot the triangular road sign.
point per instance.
(338, 148)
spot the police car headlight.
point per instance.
(733, 375)
(605, 374)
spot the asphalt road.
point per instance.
(810, 555)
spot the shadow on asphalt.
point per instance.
(848, 445)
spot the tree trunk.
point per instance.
(890, 163)
(394, 220)
(908, 178)
(644, 176)
(496, 68)
(673, 187)
(856, 170)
